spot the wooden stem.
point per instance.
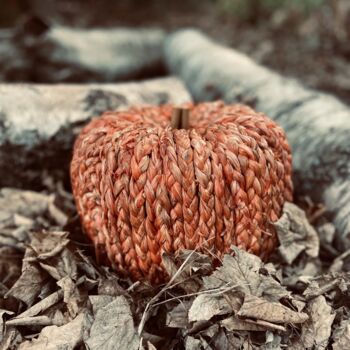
(180, 118)
(176, 118)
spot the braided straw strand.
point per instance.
(144, 187)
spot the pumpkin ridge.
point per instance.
(206, 226)
(123, 199)
(152, 230)
(190, 212)
(175, 185)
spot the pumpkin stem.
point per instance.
(180, 118)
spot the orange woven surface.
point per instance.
(143, 188)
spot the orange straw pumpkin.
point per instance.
(146, 183)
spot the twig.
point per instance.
(217, 292)
(324, 289)
(30, 321)
(44, 304)
(133, 286)
(167, 286)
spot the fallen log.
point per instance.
(37, 52)
(317, 124)
(38, 123)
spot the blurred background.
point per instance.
(306, 39)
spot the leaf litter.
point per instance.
(53, 295)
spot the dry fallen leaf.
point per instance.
(65, 337)
(31, 281)
(113, 324)
(316, 332)
(71, 296)
(220, 340)
(187, 279)
(42, 305)
(206, 306)
(296, 234)
(178, 316)
(21, 211)
(244, 272)
(111, 286)
(11, 339)
(2, 313)
(10, 265)
(260, 309)
(26, 203)
(342, 336)
(192, 343)
(48, 244)
(236, 324)
(273, 342)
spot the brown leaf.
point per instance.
(197, 262)
(260, 309)
(316, 332)
(184, 279)
(178, 316)
(151, 346)
(85, 265)
(53, 255)
(99, 301)
(236, 324)
(26, 203)
(219, 340)
(342, 336)
(244, 273)
(48, 244)
(273, 342)
(57, 214)
(192, 343)
(113, 325)
(62, 265)
(11, 339)
(326, 284)
(296, 234)
(10, 265)
(30, 283)
(71, 296)
(206, 306)
(2, 313)
(67, 336)
(111, 286)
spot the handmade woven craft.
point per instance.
(143, 187)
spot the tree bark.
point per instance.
(317, 124)
(38, 123)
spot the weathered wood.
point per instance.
(38, 53)
(317, 124)
(38, 123)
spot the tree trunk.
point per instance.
(38, 53)
(38, 123)
(317, 124)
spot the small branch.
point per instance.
(169, 285)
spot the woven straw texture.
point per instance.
(143, 188)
